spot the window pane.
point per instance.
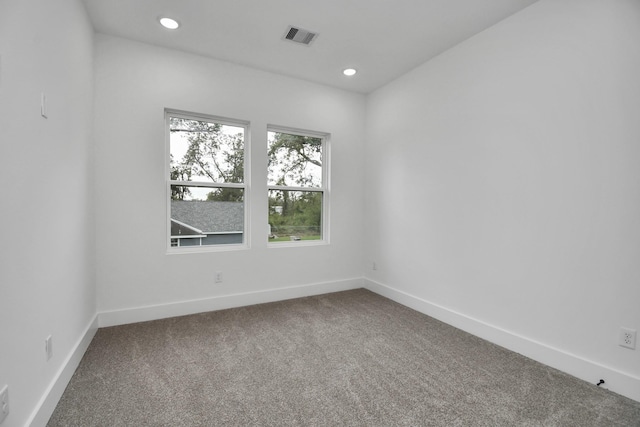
(206, 215)
(205, 151)
(295, 215)
(294, 160)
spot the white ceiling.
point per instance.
(382, 39)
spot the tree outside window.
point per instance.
(296, 185)
(206, 180)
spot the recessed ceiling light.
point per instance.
(169, 23)
(349, 72)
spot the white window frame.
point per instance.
(244, 185)
(324, 189)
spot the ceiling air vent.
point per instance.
(299, 35)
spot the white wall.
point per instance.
(47, 275)
(134, 84)
(504, 185)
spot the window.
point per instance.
(297, 184)
(205, 180)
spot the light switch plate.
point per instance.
(48, 347)
(43, 105)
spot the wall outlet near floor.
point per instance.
(218, 278)
(374, 265)
(4, 402)
(627, 338)
(48, 347)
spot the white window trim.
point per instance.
(245, 185)
(325, 188)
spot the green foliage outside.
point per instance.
(288, 239)
(211, 156)
(213, 153)
(295, 161)
(296, 213)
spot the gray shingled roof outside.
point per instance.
(210, 217)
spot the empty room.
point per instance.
(346, 212)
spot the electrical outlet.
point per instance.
(48, 347)
(218, 277)
(627, 338)
(374, 266)
(4, 403)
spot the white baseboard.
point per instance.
(182, 308)
(577, 366)
(616, 381)
(47, 404)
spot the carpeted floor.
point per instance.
(345, 359)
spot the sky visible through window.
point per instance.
(212, 160)
(296, 192)
(298, 167)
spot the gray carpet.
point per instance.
(343, 359)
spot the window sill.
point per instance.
(298, 243)
(205, 249)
